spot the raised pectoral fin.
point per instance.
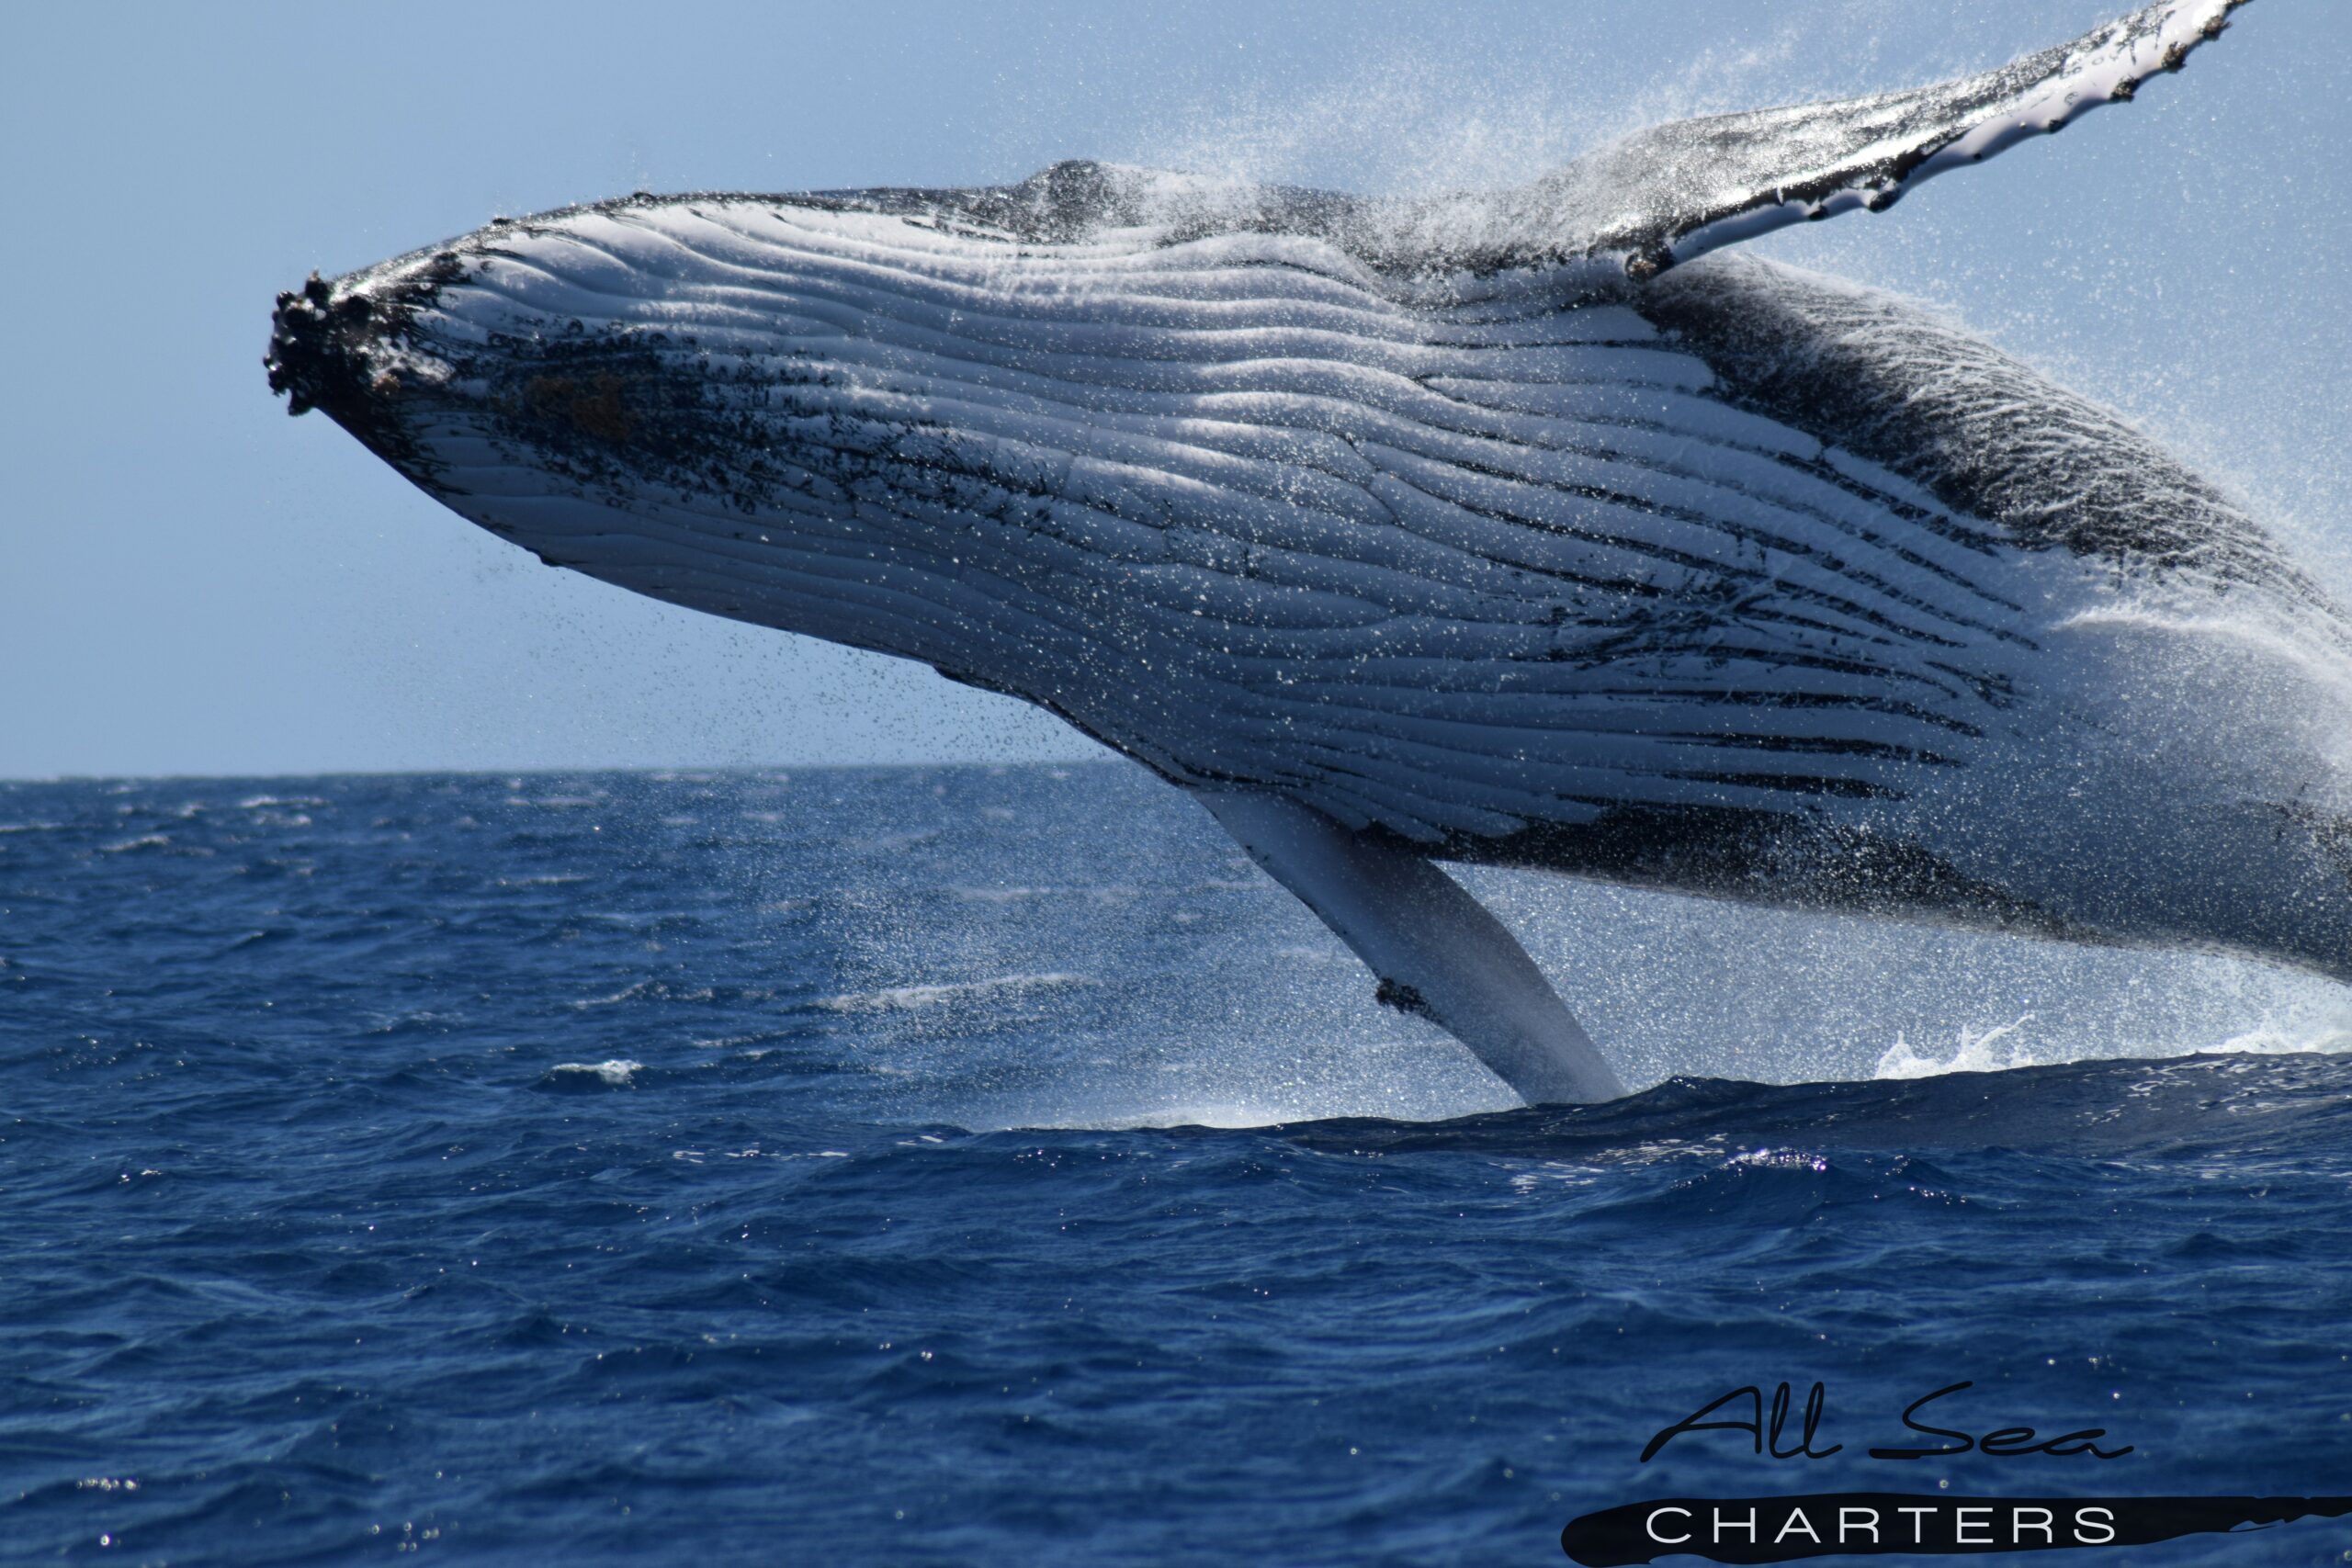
(1434, 948)
(1677, 190)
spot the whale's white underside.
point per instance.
(1445, 570)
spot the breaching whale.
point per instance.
(1510, 527)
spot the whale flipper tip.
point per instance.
(1434, 951)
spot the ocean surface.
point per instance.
(986, 1166)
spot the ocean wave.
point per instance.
(648, 989)
(2245, 1103)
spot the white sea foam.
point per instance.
(1979, 1052)
(2272, 1039)
(619, 1071)
(1222, 1114)
(2008, 1046)
(638, 991)
(1777, 1160)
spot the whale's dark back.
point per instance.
(1885, 378)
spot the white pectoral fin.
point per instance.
(1677, 190)
(1434, 948)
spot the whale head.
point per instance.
(498, 353)
(336, 346)
(701, 401)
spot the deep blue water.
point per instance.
(631, 1168)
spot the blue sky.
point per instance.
(191, 582)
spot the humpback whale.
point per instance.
(1537, 527)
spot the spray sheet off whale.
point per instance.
(1493, 527)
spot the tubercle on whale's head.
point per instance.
(346, 348)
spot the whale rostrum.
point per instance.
(1507, 527)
